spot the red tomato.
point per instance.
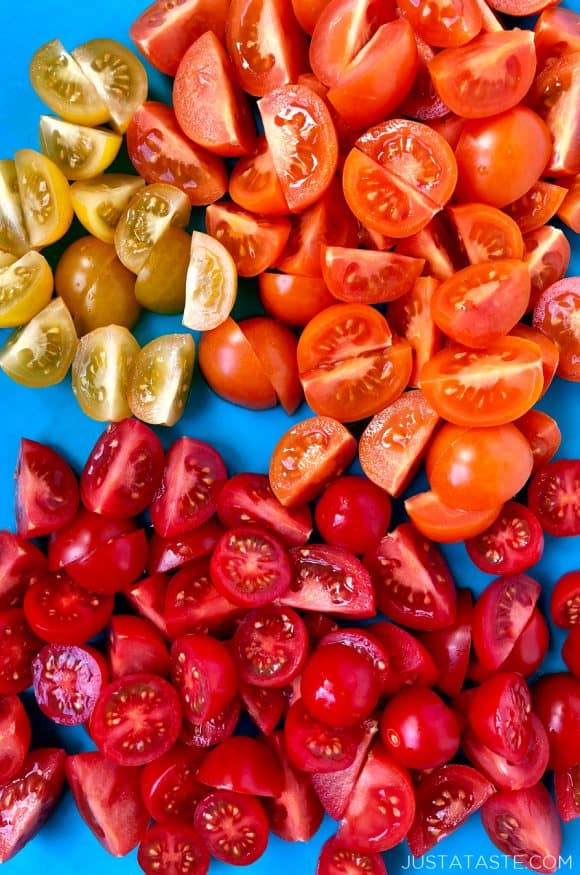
(461, 789)
(15, 735)
(210, 732)
(353, 513)
(547, 256)
(382, 806)
(329, 579)
(450, 647)
(204, 674)
(520, 7)
(169, 786)
(411, 317)
(365, 643)
(443, 524)
(244, 765)
(307, 457)
(62, 612)
(489, 156)
(412, 582)
(565, 600)
(556, 314)
(164, 31)
(83, 536)
(254, 184)
(569, 211)
(533, 831)
(335, 858)
(68, 681)
(419, 730)
(193, 604)
(167, 554)
(266, 44)
(192, 480)
(210, 107)
(21, 565)
(302, 141)
(110, 566)
(255, 243)
(499, 714)
(137, 718)
(450, 126)
(270, 646)
(487, 233)
(556, 98)
(308, 12)
(292, 299)
(314, 747)
(491, 74)
(556, 33)
(423, 103)
(571, 651)
(134, 645)
(123, 470)
(500, 615)
(108, 798)
(339, 685)
(275, 346)
(148, 598)
(567, 790)
(265, 705)
(442, 24)
(554, 496)
(367, 276)
(537, 206)
(503, 774)
(437, 244)
(47, 493)
(176, 847)
(28, 800)
(557, 704)
(250, 567)
(530, 648)
(548, 348)
(513, 543)
(160, 152)
(233, 827)
(478, 468)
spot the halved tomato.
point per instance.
(211, 284)
(411, 318)
(437, 244)
(487, 233)
(422, 102)
(556, 97)
(443, 524)
(444, 24)
(275, 346)
(557, 314)
(254, 184)
(500, 615)
(254, 242)
(367, 276)
(554, 497)
(569, 211)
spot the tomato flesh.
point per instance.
(15, 736)
(500, 616)
(204, 674)
(233, 827)
(329, 579)
(553, 495)
(270, 646)
(47, 495)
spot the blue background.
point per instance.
(245, 439)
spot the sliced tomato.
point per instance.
(302, 140)
(488, 76)
(531, 647)
(500, 615)
(553, 495)
(255, 243)
(47, 493)
(366, 276)
(147, 598)
(451, 126)
(67, 682)
(62, 612)
(265, 706)
(437, 244)
(512, 544)
(112, 566)
(443, 524)
(248, 499)
(292, 299)
(520, 7)
(450, 647)
(556, 97)
(567, 790)
(308, 12)
(193, 604)
(250, 566)
(486, 387)
(410, 662)
(412, 582)
(503, 774)
(335, 789)
(204, 674)
(175, 847)
(275, 346)
(297, 813)
(233, 827)
(537, 206)
(169, 786)
(254, 184)
(244, 765)
(21, 565)
(487, 233)
(461, 789)
(569, 211)
(329, 579)
(15, 735)
(543, 435)
(307, 457)
(547, 256)
(167, 554)
(336, 858)
(210, 107)
(314, 747)
(210, 732)
(565, 600)
(556, 33)
(411, 317)
(556, 313)
(444, 24)
(548, 348)
(270, 646)
(500, 715)
(422, 102)
(160, 152)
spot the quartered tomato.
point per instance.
(62, 85)
(254, 242)
(167, 554)
(443, 524)
(556, 313)
(210, 732)
(367, 276)
(336, 858)
(555, 97)
(161, 283)
(565, 600)
(537, 206)
(15, 732)
(411, 317)
(244, 765)
(248, 499)
(567, 790)
(486, 387)
(450, 647)
(487, 233)
(176, 847)
(78, 151)
(553, 496)
(62, 612)
(542, 434)
(147, 598)
(437, 244)
(556, 700)
(549, 350)
(150, 212)
(13, 234)
(19, 646)
(547, 256)
(329, 579)
(100, 372)
(193, 604)
(270, 646)
(254, 184)
(160, 379)
(21, 565)
(512, 544)
(99, 203)
(135, 645)
(250, 567)
(45, 197)
(25, 289)
(530, 649)
(556, 34)
(444, 25)
(169, 786)
(47, 495)
(499, 714)
(504, 774)
(500, 615)
(211, 284)
(233, 826)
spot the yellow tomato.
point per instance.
(41, 353)
(6, 258)
(100, 202)
(45, 197)
(100, 372)
(161, 379)
(61, 84)
(79, 151)
(13, 235)
(150, 213)
(25, 288)
(118, 76)
(212, 284)
(160, 285)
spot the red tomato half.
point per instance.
(506, 775)
(250, 567)
(554, 496)
(169, 786)
(557, 33)
(335, 856)
(366, 276)
(204, 674)
(411, 317)
(68, 681)
(275, 346)
(565, 600)
(244, 765)
(443, 524)
(331, 580)
(255, 243)
(512, 544)
(444, 24)
(270, 646)
(175, 847)
(21, 565)
(62, 612)
(15, 735)
(233, 827)
(47, 492)
(542, 434)
(557, 314)
(292, 299)
(556, 97)
(254, 184)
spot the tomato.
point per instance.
(250, 566)
(548, 348)
(15, 735)
(445, 799)
(308, 12)
(100, 372)
(423, 103)
(524, 823)
(555, 314)
(67, 682)
(520, 7)
(98, 203)
(336, 858)
(365, 643)
(487, 233)
(441, 25)
(62, 612)
(554, 96)
(307, 457)
(302, 142)
(80, 152)
(193, 604)
(418, 730)
(47, 494)
(244, 765)
(266, 44)
(329, 579)
(443, 524)
(44, 197)
(537, 206)
(270, 646)
(254, 184)
(314, 747)
(82, 537)
(135, 645)
(264, 705)
(29, 798)
(149, 214)
(547, 256)
(500, 615)
(255, 243)
(247, 499)
(489, 156)
(169, 787)
(210, 283)
(513, 543)
(530, 648)
(478, 468)
(464, 81)
(177, 847)
(123, 470)
(565, 600)
(297, 813)
(137, 718)
(366, 276)
(504, 774)
(209, 732)
(339, 686)
(450, 647)
(437, 244)
(108, 798)
(566, 790)
(147, 598)
(25, 289)
(398, 176)
(553, 496)
(275, 346)
(160, 379)
(161, 283)
(412, 582)
(556, 34)
(233, 827)
(110, 565)
(570, 651)
(167, 554)
(14, 235)
(569, 211)
(164, 31)
(557, 703)
(57, 78)
(382, 806)
(353, 513)
(410, 317)
(295, 300)
(499, 714)
(204, 673)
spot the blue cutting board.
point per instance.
(65, 845)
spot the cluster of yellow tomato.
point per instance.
(138, 253)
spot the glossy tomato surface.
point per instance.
(245, 439)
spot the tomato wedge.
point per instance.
(500, 616)
(547, 256)
(554, 497)
(255, 243)
(444, 24)
(543, 435)
(549, 350)
(411, 317)
(487, 233)
(254, 184)
(557, 314)
(367, 276)
(443, 524)
(556, 98)
(537, 206)
(329, 579)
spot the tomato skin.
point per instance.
(488, 156)
(570, 651)
(204, 674)
(512, 544)
(353, 513)
(500, 615)
(548, 348)
(21, 565)
(506, 775)
(339, 686)
(565, 789)
(530, 648)
(419, 730)
(15, 734)
(553, 496)
(239, 838)
(83, 536)
(263, 632)
(308, 12)
(565, 600)
(410, 663)
(554, 96)
(556, 314)
(459, 24)
(193, 604)
(322, 578)
(169, 787)
(316, 748)
(459, 74)
(450, 647)
(47, 493)
(275, 346)
(411, 317)
(167, 554)
(134, 645)
(160, 152)
(557, 703)
(569, 211)
(499, 714)
(112, 566)
(250, 567)
(292, 299)
(174, 846)
(210, 732)
(478, 468)
(248, 498)
(62, 612)
(244, 765)
(443, 524)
